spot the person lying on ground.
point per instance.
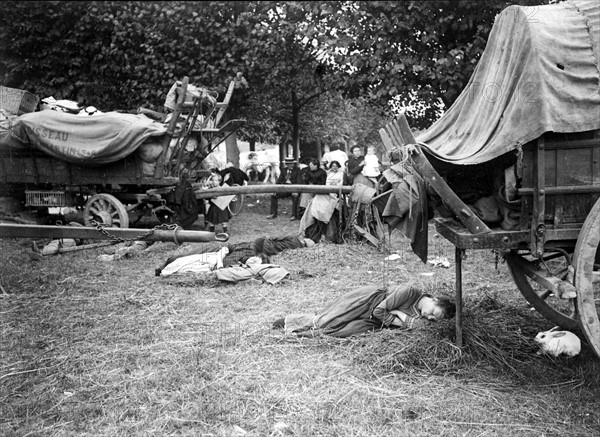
(125, 250)
(238, 253)
(370, 308)
(54, 247)
(210, 265)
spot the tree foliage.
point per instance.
(121, 54)
(333, 118)
(296, 56)
(419, 54)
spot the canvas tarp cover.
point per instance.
(538, 73)
(87, 140)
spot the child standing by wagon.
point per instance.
(372, 168)
(217, 212)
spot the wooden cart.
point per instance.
(116, 193)
(553, 254)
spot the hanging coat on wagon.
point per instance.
(186, 204)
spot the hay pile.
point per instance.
(498, 342)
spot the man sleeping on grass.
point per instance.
(234, 262)
(367, 309)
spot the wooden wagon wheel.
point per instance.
(587, 277)
(107, 210)
(555, 309)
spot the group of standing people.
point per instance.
(297, 174)
(336, 168)
(356, 168)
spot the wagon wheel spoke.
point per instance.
(560, 311)
(107, 210)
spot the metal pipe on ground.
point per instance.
(177, 235)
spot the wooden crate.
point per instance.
(570, 165)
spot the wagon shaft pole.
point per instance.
(261, 189)
(177, 235)
(458, 255)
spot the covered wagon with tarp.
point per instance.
(514, 164)
(107, 162)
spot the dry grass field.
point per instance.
(93, 348)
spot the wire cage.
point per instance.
(46, 198)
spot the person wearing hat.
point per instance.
(289, 175)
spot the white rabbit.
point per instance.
(555, 342)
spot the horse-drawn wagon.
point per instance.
(106, 163)
(518, 171)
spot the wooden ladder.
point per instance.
(210, 129)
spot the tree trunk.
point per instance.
(320, 151)
(283, 150)
(282, 153)
(295, 125)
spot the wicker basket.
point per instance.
(17, 101)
